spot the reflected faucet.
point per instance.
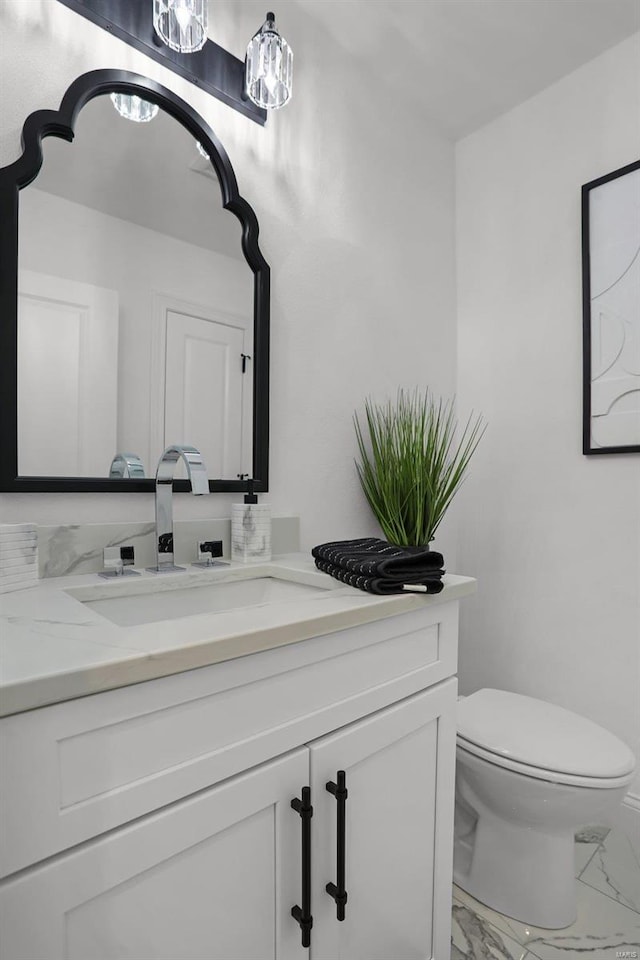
(197, 473)
(126, 466)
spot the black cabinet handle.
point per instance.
(303, 914)
(337, 890)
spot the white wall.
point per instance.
(354, 195)
(553, 536)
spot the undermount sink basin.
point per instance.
(217, 597)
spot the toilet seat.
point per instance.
(541, 740)
(540, 773)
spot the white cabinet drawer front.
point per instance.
(77, 769)
(214, 876)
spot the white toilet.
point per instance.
(528, 775)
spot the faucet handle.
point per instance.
(165, 543)
(164, 546)
(117, 561)
(208, 553)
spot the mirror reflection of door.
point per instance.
(200, 373)
(67, 376)
(123, 222)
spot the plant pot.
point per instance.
(413, 549)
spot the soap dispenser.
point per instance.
(250, 529)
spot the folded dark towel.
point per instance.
(372, 557)
(379, 585)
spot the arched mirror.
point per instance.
(134, 297)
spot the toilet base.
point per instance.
(522, 872)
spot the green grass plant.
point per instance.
(412, 461)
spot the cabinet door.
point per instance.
(213, 877)
(399, 766)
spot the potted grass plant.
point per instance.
(413, 458)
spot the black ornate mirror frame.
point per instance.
(60, 123)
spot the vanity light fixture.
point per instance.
(168, 31)
(134, 108)
(181, 24)
(268, 67)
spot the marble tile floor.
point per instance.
(608, 922)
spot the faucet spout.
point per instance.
(196, 470)
(125, 465)
(197, 474)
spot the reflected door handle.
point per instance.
(303, 914)
(337, 890)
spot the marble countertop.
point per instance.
(53, 647)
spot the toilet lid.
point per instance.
(540, 734)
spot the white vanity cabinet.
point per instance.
(209, 878)
(155, 821)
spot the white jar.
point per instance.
(250, 532)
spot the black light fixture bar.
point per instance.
(213, 68)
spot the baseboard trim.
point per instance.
(628, 818)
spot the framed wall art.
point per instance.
(611, 312)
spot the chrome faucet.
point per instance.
(125, 466)
(197, 473)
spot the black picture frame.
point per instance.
(587, 446)
(15, 176)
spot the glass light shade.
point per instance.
(181, 24)
(269, 67)
(133, 107)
